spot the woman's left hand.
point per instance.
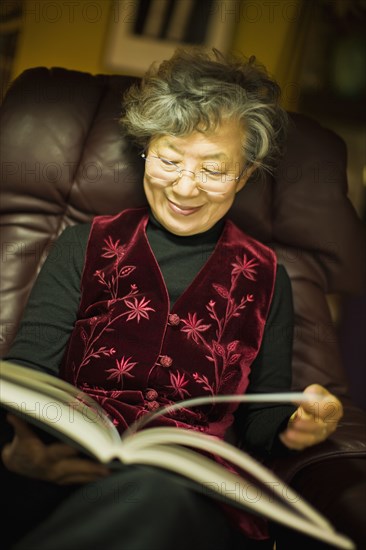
(313, 422)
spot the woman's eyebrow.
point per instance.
(217, 156)
(169, 145)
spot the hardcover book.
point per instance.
(72, 416)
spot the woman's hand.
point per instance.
(313, 422)
(56, 462)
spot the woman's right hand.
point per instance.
(59, 463)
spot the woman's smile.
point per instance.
(183, 210)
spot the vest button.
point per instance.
(153, 405)
(173, 319)
(151, 395)
(166, 361)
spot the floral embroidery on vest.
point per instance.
(123, 368)
(221, 356)
(136, 310)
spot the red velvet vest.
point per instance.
(133, 353)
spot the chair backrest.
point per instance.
(65, 160)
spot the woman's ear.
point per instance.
(245, 175)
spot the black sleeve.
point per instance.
(258, 425)
(52, 307)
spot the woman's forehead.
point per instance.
(224, 142)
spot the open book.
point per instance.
(74, 417)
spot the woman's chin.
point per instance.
(182, 225)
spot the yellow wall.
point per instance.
(73, 35)
(63, 34)
(275, 32)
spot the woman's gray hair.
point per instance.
(195, 90)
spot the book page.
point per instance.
(280, 397)
(214, 445)
(68, 417)
(165, 448)
(27, 377)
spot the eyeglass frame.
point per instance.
(179, 172)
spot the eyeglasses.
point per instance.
(165, 172)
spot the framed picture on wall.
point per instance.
(144, 31)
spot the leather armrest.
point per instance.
(332, 477)
(348, 441)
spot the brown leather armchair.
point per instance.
(65, 160)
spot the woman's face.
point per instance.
(181, 206)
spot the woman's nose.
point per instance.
(186, 184)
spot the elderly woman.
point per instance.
(162, 303)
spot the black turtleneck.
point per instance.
(181, 258)
(43, 335)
